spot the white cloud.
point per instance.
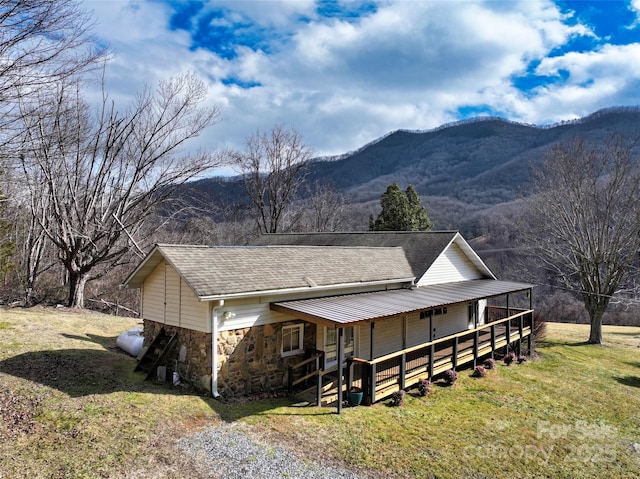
(346, 81)
(598, 79)
(634, 6)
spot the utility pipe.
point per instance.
(214, 347)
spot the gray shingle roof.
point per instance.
(218, 271)
(421, 247)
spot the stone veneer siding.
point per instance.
(191, 356)
(249, 359)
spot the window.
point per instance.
(331, 345)
(292, 339)
(473, 314)
(429, 313)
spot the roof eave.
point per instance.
(131, 281)
(271, 292)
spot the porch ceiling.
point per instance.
(347, 309)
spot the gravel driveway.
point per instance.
(228, 451)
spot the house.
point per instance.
(388, 307)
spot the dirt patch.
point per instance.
(17, 412)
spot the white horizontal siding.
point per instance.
(153, 295)
(364, 339)
(451, 266)
(388, 336)
(455, 321)
(255, 311)
(417, 330)
(172, 296)
(168, 299)
(194, 314)
(248, 313)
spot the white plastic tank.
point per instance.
(131, 341)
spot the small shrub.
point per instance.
(397, 398)
(479, 372)
(450, 377)
(489, 363)
(509, 358)
(424, 387)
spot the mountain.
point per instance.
(472, 165)
(485, 160)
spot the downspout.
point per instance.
(214, 347)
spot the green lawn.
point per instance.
(70, 406)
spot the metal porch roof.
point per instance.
(347, 309)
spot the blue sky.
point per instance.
(344, 73)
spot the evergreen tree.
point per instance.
(419, 218)
(401, 211)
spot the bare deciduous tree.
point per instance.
(95, 178)
(273, 168)
(325, 209)
(41, 43)
(585, 220)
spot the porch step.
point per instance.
(156, 353)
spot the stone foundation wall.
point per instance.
(249, 359)
(191, 357)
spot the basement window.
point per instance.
(292, 339)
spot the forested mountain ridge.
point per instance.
(459, 169)
(483, 160)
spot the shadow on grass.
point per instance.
(76, 372)
(85, 372)
(633, 381)
(619, 333)
(231, 411)
(548, 343)
(107, 342)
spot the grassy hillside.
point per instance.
(70, 406)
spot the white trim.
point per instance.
(293, 352)
(268, 292)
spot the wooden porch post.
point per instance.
(493, 340)
(371, 340)
(340, 358)
(371, 384)
(530, 338)
(432, 351)
(374, 372)
(520, 332)
(508, 338)
(454, 359)
(508, 328)
(476, 340)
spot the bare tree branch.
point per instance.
(273, 168)
(102, 174)
(584, 220)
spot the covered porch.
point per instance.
(486, 330)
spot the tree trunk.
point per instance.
(595, 333)
(77, 282)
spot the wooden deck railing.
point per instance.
(306, 369)
(384, 375)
